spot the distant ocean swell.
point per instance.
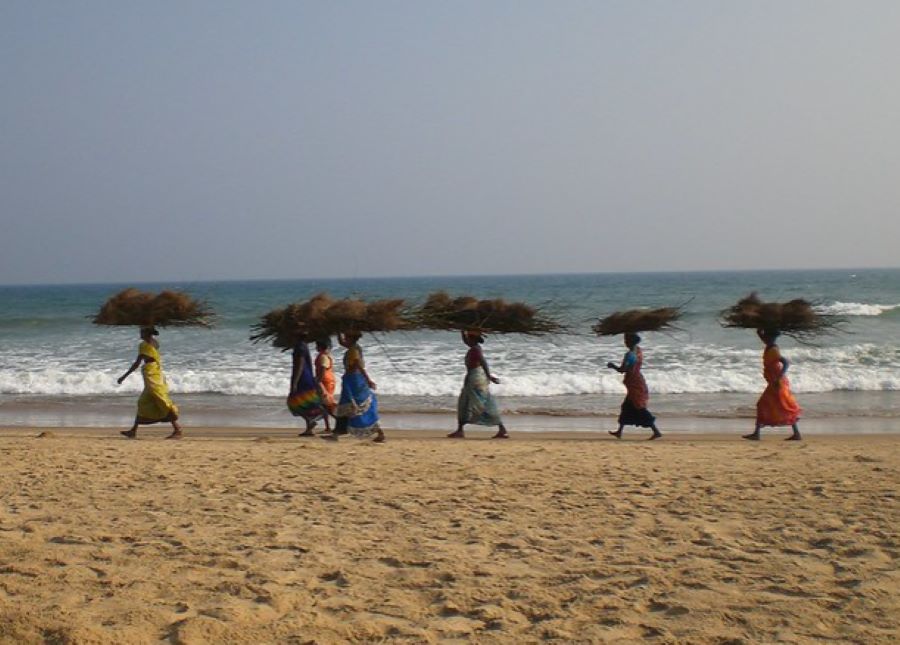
(857, 309)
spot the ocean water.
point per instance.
(58, 368)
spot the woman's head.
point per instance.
(768, 336)
(147, 333)
(631, 340)
(349, 339)
(473, 338)
(323, 344)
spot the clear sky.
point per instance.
(171, 140)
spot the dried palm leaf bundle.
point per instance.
(466, 313)
(634, 321)
(165, 309)
(796, 318)
(321, 316)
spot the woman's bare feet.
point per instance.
(459, 434)
(754, 436)
(616, 433)
(176, 434)
(379, 438)
(501, 434)
(130, 434)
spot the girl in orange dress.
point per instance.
(777, 406)
(325, 377)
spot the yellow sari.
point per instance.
(154, 405)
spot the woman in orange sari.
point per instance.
(325, 378)
(777, 406)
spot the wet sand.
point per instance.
(252, 535)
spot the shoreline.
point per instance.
(408, 433)
(851, 412)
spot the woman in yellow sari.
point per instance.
(777, 405)
(154, 405)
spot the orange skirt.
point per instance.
(777, 405)
(328, 384)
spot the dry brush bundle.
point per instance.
(634, 321)
(322, 316)
(165, 309)
(797, 318)
(466, 313)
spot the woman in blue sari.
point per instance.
(357, 410)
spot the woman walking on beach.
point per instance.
(634, 410)
(325, 378)
(303, 398)
(154, 404)
(777, 405)
(357, 410)
(476, 404)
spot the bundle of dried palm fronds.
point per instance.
(797, 318)
(633, 321)
(466, 313)
(165, 309)
(321, 316)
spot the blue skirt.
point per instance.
(358, 405)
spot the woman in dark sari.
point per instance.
(634, 408)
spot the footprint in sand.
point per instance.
(337, 577)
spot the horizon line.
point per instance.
(438, 276)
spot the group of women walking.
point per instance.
(312, 390)
(311, 395)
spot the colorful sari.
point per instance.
(358, 404)
(634, 410)
(154, 404)
(476, 404)
(777, 405)
(304, 400)
(327, 382)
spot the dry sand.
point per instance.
(216, 540)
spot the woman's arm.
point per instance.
(361, 367)
(624, 367)
(487, 371)
(137, 363)
(296, 370)
(320, 369)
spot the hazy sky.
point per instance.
(206, 140)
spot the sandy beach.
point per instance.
(263, 538)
